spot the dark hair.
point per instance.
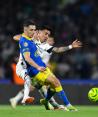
(43, 27)
(28, 22)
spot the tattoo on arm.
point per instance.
(61, 49)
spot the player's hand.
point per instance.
(77, 44)
(41, 69)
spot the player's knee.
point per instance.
(54, 81)
(57, 83)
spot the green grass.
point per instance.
(39, 111)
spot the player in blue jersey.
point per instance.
(45, 50)
(22, 72)
(37, 68)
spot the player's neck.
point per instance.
(26, 36)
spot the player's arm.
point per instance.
(17, 37)
(31, 62)
(75, 44)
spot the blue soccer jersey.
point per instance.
(27, 45)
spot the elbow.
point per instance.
(27, 57)
(14, 38)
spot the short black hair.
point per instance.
(28, 22)
(43, 27)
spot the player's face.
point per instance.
(31, 30)
(50, 41)
(44, 34)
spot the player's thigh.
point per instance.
(42, 76)
(47, 78)
(53, 81)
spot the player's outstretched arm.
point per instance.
(75, 44)
(32, 63)
(17, 37)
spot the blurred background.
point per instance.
(68, 19)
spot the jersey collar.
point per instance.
(28, 38)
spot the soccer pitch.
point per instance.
(39, 111)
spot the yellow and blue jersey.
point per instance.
(27, 45)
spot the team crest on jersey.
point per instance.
(25, 44)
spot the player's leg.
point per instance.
(55, 105)
(21, 71)
(49, 78)
(14, 100)
(56, 85)
(27, 85)
(43, 91)
(52, 102)
(54, 82)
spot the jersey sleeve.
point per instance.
(49, 48)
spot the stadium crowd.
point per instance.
(68, 21)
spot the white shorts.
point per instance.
(21, 70)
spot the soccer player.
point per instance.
(37, 68)
(45, 51)
(22, 72)
(25, 77)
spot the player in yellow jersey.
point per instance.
(49, 49)
(38, 70)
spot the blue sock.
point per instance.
(63, 97)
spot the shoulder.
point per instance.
(46, 46)
(24, 43)
(49, 48)
(24, 40)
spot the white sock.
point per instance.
(27, 85)
(19, 96)
(53, 100)
(68, 105)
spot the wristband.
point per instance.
(70, 46)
